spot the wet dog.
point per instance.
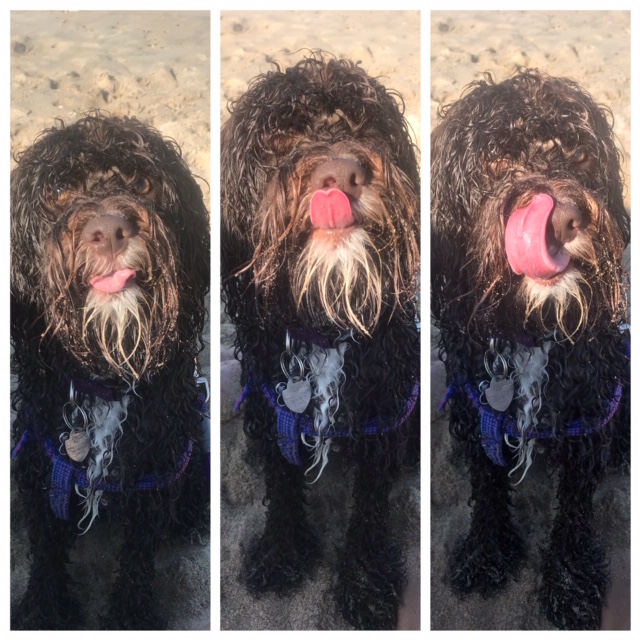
(528, 290)
(109, 269)
(320, 260)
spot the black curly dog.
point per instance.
(320, 259)
(528, 291)
(109, 269)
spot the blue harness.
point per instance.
(66, 474)
(496, 425)
(291, 426)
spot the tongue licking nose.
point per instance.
(331, 209)
(526, 241)
(335, 181)
(114, 282)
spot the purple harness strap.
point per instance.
(66, 474)
(291, 426)
(495, 425)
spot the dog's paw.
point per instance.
(118, 619)
(51, 614)
(48, 605)
(273, 565)
(132, 610)
(574, 588)
(370, 586)
(484, 565)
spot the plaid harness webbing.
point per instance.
(66, 474)
(291, 426)
(496, 425)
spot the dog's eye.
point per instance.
(60, 194)
(580, 155)
(142, 186)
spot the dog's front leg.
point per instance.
(371, 568)
(574, 567)
(493, 549)
(131, 605)
(47, 603)
(287, 550)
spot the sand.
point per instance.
(155, 66)
(594, 49)
(388, 45)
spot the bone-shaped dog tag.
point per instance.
(500, 394)
(77, 445)
(297, 395)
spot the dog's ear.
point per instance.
(239, 194)
(27, 236)
(182, 205)
(194, 238)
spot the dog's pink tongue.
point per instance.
(526, 241)
(331, 209)
(114, 282)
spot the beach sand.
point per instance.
(593, 48)
(155, 66)
(388, 44)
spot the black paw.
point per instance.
(50, 614)
(484, 565)
(574, 586)
(133, 612)
(48, 606)
(273, 566)
(370, 586)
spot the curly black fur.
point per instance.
(288, 126)
(70, 180)
(494, 150)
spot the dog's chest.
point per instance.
(315, 377)
(518, 377)
(93, 428)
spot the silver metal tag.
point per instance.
(77, 445)
(297, 395)
(499, 394)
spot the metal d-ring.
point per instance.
(69, 408)
(490, 369)
(295, 359)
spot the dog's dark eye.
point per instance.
(60, 194)
(580, 155)
(280, 144)
(142, 186)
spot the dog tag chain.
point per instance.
(77, 443)
(500, 392)
(296, 394)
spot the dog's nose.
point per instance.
(107, 234)
(339, 173)
(566, 220)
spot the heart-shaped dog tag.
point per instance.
(297, 395)
(77, 445)
(500, 394)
